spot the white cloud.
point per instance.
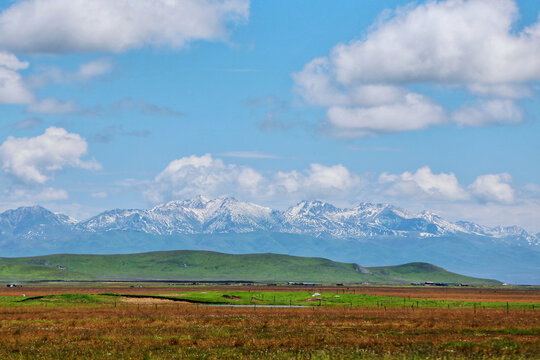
(11, 62)
(13, 89)
(489, 112)
(508, 91)
(425, 183)
(364, 84)
(60, 26)
(194, 175)
(317, 181)
(93, 69)
(206, 175)
(32, 160)
(453, 41)
(16, 89)
(412, 113)
(494, 188)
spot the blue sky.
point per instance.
(425, 105)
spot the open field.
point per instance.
(516, 294)
(155, 322)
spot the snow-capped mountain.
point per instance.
(199, 215)
(33, 223)
(202, 215)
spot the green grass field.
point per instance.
(266, 298)
(205, 265)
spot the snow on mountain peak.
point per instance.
(229, 215)
(311, 208)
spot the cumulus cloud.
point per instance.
(494, 188)
(365, 84)
(33, 160)
(207, 175)
(16, 89)
(13, 89)
(425, 183)
(194, 175)
(319, 180)
(62, 26)
(489, 112)
(453, 41)
(413, 112)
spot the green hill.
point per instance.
(206, 265)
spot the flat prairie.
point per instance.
(487, 294)
(73, 323)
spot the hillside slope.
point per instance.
(206, 265)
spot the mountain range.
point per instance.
(369, 234)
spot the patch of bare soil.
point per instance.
(171, 294)
(142, 301)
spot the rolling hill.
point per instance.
(206, 265)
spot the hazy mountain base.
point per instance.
(467, 254)
(207, 265)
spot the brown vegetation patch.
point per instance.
(130, 331)
(232, 297)
(134, 300)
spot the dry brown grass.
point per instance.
(157, 331)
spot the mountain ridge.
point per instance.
(228, 215)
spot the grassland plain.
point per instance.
(206, 265)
